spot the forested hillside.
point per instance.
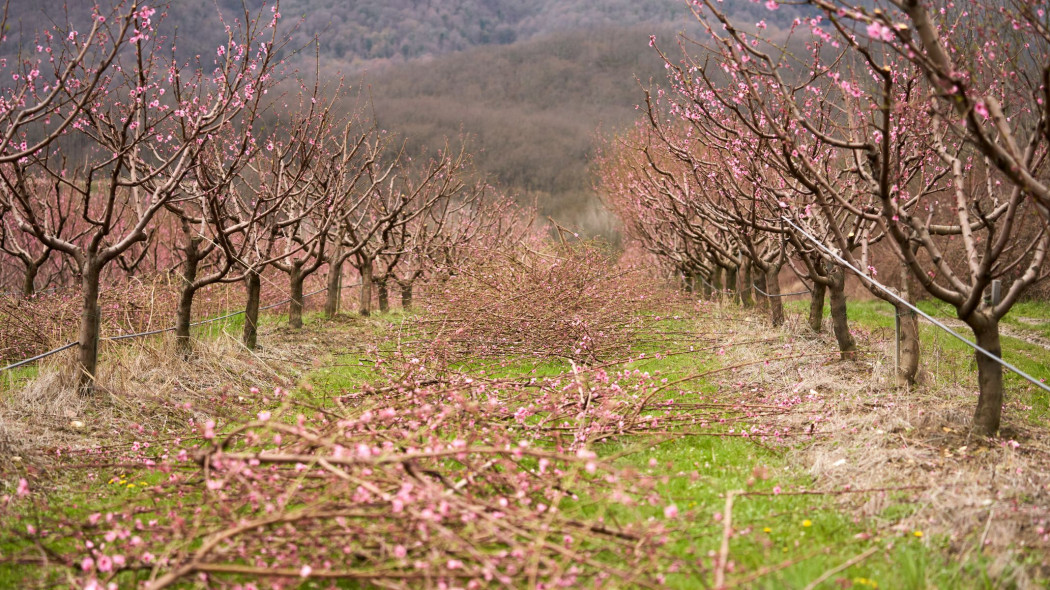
(359, 31)
(531, 110)
(528, 84)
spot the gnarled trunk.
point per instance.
(383, 289)
(366, 288)
(334, 295)
(184, 311)
(406, 295)
(29, 279)
(758, 280)
(987, 416)
(90, 326)
(816, 306)
(908, 344)
(731, 276)
(771, 282)
(253, 285)
(746, 288)
(705, 287)
(839, 318)
(295, 306)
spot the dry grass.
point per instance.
(976, 495)
(145, 390)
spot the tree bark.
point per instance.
(839, 318)
(334, 295)
(746, 289)
(816, 306)
(406, 296)
(29, 281)
(384, 295)
(909, 346)
(90, 325)
(295, 306)
(184, 311)
(716, 279)
(758, 279)
(776, 304)
(253, 284)
(731, 275)
(909, 336)
(366, 288)
(987, 416)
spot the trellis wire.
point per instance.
(930, 318)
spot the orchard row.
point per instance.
(907, 139)
(117, 156)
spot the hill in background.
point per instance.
(531, 110)
(528, 84)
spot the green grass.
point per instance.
(807, 534)
(697, 472)
(1038, 310)
(18, 377)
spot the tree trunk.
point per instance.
(776, 303)
(29, 281)
(758, 279)
(406, 296)
(334, 295)
(253, 284)
(295, 306)
(988, 414)
(816, 306)
(184, 311)
(731, 290)
(716, 280)
(384, 295)
(90, 325)
(909, 346)
(746, 296)
(701, 284)
(366, 288)
(839, 318)
(909, 336)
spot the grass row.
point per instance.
(946, 360)
(794, 539)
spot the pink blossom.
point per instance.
(880, 32)
(23, 487)
(305, 571)
(671, 511)
(981, 109)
